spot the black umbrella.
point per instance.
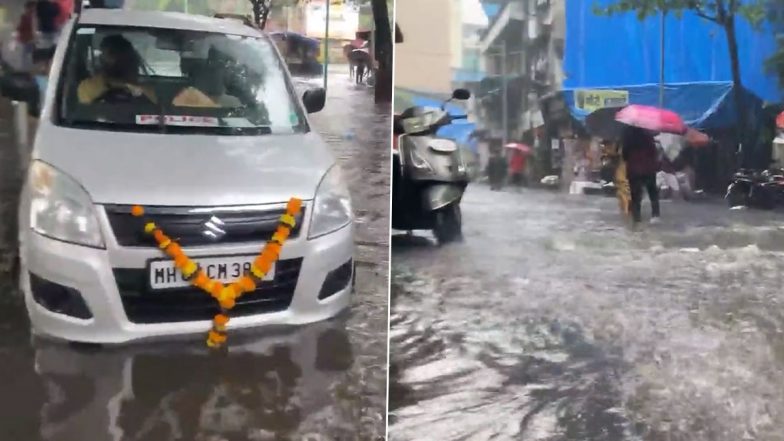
(360, 56)
(602, 124)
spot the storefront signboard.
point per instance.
(590, 100)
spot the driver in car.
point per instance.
(118, 73)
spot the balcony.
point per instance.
(512, 11)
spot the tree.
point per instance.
(383, 89)
(261, 10)
(721, 12)
(775, 64)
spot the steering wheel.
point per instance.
(116, 95)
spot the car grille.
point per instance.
(197, 226)
(192, 304)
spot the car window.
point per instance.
(148, 79)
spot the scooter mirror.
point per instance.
(461, 94)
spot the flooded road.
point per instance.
(325, 381)
(554, 321)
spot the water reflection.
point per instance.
(262, 389)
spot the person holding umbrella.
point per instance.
(642, 163)
(641, 153)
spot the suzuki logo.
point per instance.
(213, 229)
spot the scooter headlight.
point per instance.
(331, 206)
(420, 162)
(421, 123)
(60, 208)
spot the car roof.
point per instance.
(166, 20)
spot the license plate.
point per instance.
(227, 269)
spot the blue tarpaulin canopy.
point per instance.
(695, 50)
(299, 39)
(697, 70)
(702, 105)
(460, 132)
(452, 109)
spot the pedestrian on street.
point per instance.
(25, 33)
(48, 12)
(517, 162)
(642, 163)
(496, 169)
(667, 177)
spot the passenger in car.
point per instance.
(118, 74)
(208, 88)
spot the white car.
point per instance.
(195, 119)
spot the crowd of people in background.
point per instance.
(638, 165)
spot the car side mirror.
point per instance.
(461, 94)
(21, 87)
(314, 99)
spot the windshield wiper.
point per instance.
(258, 130)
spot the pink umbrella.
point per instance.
(780, 120)
(519, 147)
(358, 43)
(652, 118)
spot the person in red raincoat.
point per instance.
(517, 161)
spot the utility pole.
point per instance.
(663, 18)
(504, 97)
(326, 46)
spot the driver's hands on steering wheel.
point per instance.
(122, 94)
(116, 94)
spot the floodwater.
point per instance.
(555, 321)
(324, 381)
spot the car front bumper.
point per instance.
(92, 274)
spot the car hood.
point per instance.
(186, 170)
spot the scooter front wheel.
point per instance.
(448, 224)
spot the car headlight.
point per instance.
(331, 206)
(60, 208)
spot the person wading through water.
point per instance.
(614, 170)
(642, 164)
(517, 162)
(496, 168)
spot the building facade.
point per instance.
(423, 62)
(522, 51)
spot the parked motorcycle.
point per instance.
(429, 174)
(756, 189)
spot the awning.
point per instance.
(705, 105)
(461, 133)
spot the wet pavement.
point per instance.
(555, 321)
(325, 381)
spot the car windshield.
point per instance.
(151, 79)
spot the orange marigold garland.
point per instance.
(226, 295)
